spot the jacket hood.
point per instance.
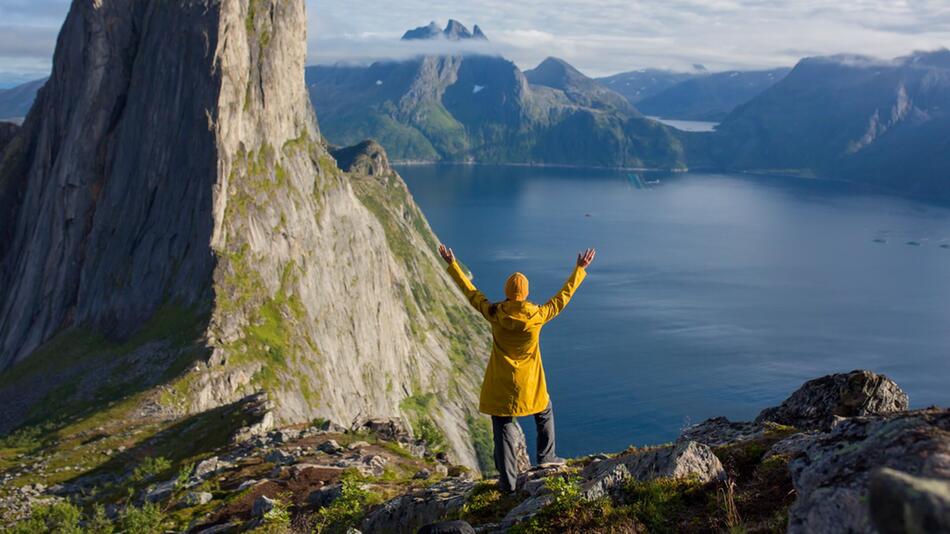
(519, 316)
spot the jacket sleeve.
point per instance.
(475, 297)
(553, 307)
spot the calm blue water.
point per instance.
(711, 294)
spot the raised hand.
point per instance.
(446, 254)
(584, 258)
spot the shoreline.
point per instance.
(808, 176)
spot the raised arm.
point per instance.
(558, 302)
(475, 297)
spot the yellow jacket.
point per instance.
(514, 380)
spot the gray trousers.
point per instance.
(506, 435)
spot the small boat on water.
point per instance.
(637, 181)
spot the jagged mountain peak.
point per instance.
(429, 31)
(477, 33)
(453, 31)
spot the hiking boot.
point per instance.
(553, 462)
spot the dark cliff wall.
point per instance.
(116, 197)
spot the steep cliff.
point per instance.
(177, 224)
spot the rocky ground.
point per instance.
(842, 454)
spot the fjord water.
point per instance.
(710, 295)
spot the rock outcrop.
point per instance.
(410, 512)
(172, 166)
(366, 158)
(904, 503)
(832, 471)
(686, 459)
(818, 401)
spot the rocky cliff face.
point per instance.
(173, 166)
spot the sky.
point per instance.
(598, 37)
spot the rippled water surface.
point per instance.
(711, 294)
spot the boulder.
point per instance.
(686, 459)
(330, 447)
(408, 513)
(832, 470)
(901, 503)
(197, 498)
(325, 495)
(284, 435)
(818, 401)
(262, 505)
(374, 465)
(279, 457)
(206, 468)
(161, 492)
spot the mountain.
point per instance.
(16, 101)
(709, 97)
(483, 108)
(176, 238)
(581, 90)
(885, 123)
(639, 84)
(454, 31)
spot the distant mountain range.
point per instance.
(482, 108)
(640, 84)
(700, 95)
(710, 97)
(454, 31)
(885, 123)
(16, 101)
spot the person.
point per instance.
(514, 384)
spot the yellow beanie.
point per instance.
(516, 288)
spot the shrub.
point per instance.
(148, 519)
(347, 510)
(57, 518)
(660, 504)
(99, 523)
(487, 505)
(150, 468)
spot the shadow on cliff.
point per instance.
(160, 457)
(80, 373)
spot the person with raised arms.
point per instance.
(514, 384)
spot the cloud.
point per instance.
(598, 36)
